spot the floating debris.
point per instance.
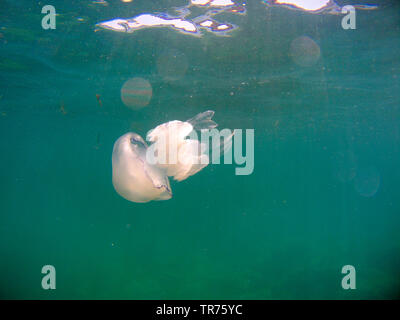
(98, 142)
(62, 109)
(99, 100)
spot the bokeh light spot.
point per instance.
(367, 181)
(344, 166)
(172, 65)
(304, 51)
(136, 93)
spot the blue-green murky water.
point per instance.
(323, 194)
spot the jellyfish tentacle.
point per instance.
(226, 144)
(203, 120)
(223, 145)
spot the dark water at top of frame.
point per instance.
(325, 188)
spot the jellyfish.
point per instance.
(140, 171)
(132, 177)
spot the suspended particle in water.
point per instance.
(98, 142)
(367, 181)
(305, 51)
(136, 93)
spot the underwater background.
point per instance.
(325, 188)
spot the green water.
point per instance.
(283, 232)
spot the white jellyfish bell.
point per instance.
(133, 178)
(140, 172)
